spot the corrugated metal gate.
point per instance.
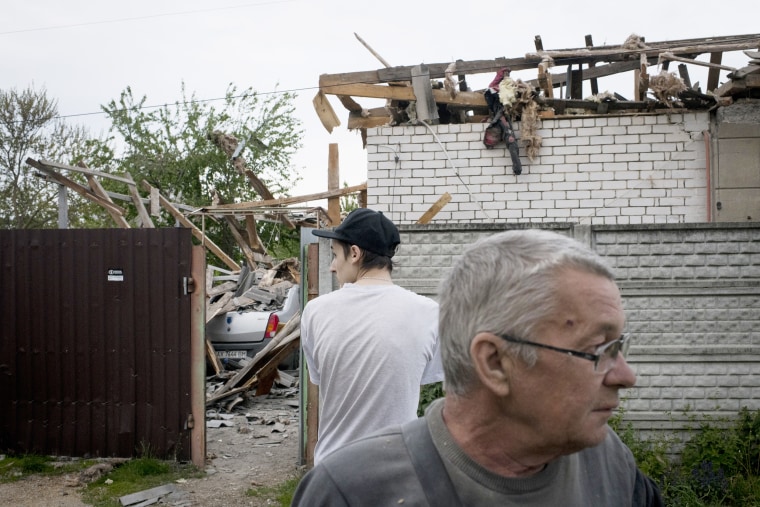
(95, 342)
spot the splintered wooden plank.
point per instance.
(268, 372)
(259, 250)
(213, 358)
(205, 241)
(325, 112)
(291, 331)
(99, 190)
(219, 289)
(594, 86)
(435, 208)
(670, 56)
(76, 187)
(713, 75)
(287, 200)
(405, 93)
(155, 202)
(219, 306)
(545, 80)
(375, 117)
(142, 213)
(228, 144)
(86, 170)
(350, 104)
(333, 182)
(240, 240)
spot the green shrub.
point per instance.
(719, 465)
(429, 393)
(652, 455)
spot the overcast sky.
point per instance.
(85, 52)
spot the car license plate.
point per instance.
(231, 354)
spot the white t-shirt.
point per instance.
(369, 348)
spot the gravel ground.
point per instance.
(260, 448)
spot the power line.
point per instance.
(196, 101)
(138, 18)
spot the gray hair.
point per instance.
(505, 284)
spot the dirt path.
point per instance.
(259, 449)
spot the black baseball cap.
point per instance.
(368, 229)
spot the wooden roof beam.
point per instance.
(286, 200)
(474, 99)
(561, 57)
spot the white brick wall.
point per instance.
(648, 168)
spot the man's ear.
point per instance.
(355, 254)
(492, 365)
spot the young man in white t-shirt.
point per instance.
(370, 345)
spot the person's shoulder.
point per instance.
(325, 300)
(379, 444)
(417, 298)
(373, 470)
(379, 441)
(378, 453)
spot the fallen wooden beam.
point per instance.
(285, 200)
(100, 191)
(76, 187)
(435, 208)
(290, 331)
(325, 112)
(205, 241)
(670, 56)
(212, 357)
(142, 213)
(268, 373)
(245, 247)
(85, 170)
(405, 93)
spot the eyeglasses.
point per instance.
(604, 355)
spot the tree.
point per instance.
(30, 127)
(170, 147)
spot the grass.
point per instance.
(282, 493)
(135, 475)
(14, 468)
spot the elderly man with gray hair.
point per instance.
(531, 327)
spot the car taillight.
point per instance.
(272, 323)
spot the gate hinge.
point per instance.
(188, 285)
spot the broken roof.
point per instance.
(588, 63)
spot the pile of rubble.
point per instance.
(260, 290)
(250, 290)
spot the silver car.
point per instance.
(241, 334)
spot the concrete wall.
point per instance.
(692, 300)
(648, 168)
(635, 188)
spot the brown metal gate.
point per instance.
(95, 342)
